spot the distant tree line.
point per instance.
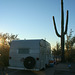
(69, 49)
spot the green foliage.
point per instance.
(70, 55)
(57, 52)
(4, 57)
(9, 37)
(5, 39)
(70, 41)
(70, 48)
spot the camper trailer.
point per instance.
(29, 54)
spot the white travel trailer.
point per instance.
(29, 54)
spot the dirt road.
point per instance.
(59, 69)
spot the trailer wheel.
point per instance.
(29, 62)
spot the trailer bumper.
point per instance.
(18, 68)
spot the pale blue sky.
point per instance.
(32, 19)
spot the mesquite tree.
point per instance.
(62, 35)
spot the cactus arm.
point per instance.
(56, 28)
(62, 16)
(66, 23)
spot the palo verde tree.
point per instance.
(62, 35)
(70, 49)
(69, 42)
(57, 51)
(5, 40)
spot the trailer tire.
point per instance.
(29, 62)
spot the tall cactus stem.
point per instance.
(62, 36)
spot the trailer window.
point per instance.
(23, 51)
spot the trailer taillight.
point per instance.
(9, 57)
(37, 58)
(51, 61)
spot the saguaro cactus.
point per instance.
(62, 35)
